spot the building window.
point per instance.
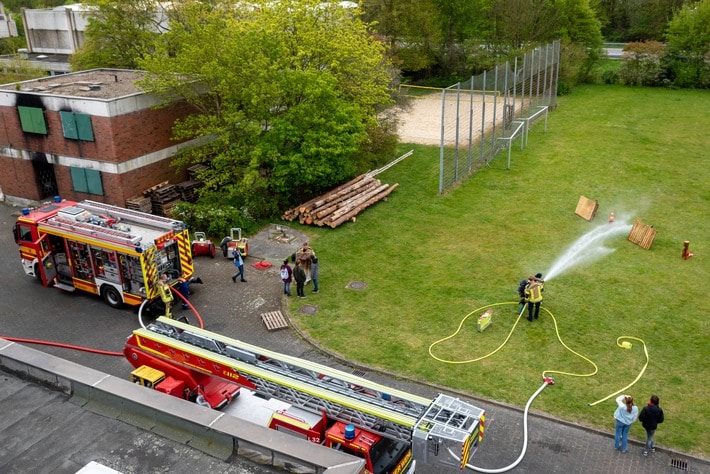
(32, 119)
(86, 181)
(77, 126)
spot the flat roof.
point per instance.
(95, 83)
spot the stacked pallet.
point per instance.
(139, 203)
(341, 204)
(163, 198)
(194, 170)
(187, 190)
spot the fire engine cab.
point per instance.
(119, 254)
(389, 428)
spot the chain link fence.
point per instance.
(491, 112)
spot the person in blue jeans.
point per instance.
(625, 414)
(184, 289)
(239, 263)
(314, 273)
(286, 276)
(651, 416)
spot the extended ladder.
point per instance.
(344, 397)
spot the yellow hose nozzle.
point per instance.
(626, 345)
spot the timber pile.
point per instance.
(342, 203)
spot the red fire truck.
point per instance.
(117, 253)
(389, 428)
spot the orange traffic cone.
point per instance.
(611, 216)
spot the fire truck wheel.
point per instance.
(111, 296)
(38, 277)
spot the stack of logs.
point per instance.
(342, 203)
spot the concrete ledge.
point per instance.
(212, 432)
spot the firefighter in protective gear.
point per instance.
(533, 295)
(166, 294)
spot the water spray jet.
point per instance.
(588, 248)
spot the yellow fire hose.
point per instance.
(621, 341)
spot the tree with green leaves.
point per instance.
(118, 34)
(288, 93)
(688, 39)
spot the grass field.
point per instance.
(429, 261)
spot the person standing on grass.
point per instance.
(314, 273)
(533, 295)
(299, 274)
(521, 293)
(625, 414)
(651, 416)
(286, 276)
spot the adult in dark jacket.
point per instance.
(651, 416)
(521, 293)
(299, 274)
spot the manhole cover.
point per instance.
(308, 309)
(357, 285)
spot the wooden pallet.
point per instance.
(642, 235)
(274, 320)
(586, 208)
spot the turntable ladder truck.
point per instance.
(116, 253)
(390, 428)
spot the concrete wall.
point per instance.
(207, 430)
(54, 30)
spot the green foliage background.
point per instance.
(429, 261)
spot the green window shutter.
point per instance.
(77, 126)
(83, 125)
(87, 181)
(78, 179)
(69, 125)
(32, 119)
(93, 181)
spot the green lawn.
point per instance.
(429, 261)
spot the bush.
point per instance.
(610, 77)
(213, 220)
(641, 64)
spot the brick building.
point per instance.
(85, 135)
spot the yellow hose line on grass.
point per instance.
(627, 345)
(620, 341)
(517, 320)
(459, 330)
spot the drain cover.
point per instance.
(679, 464)
(357, 285)
(308, 309)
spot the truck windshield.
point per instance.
(386, 454)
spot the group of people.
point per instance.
(530, 291)
(305, 268)
(627, 413)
